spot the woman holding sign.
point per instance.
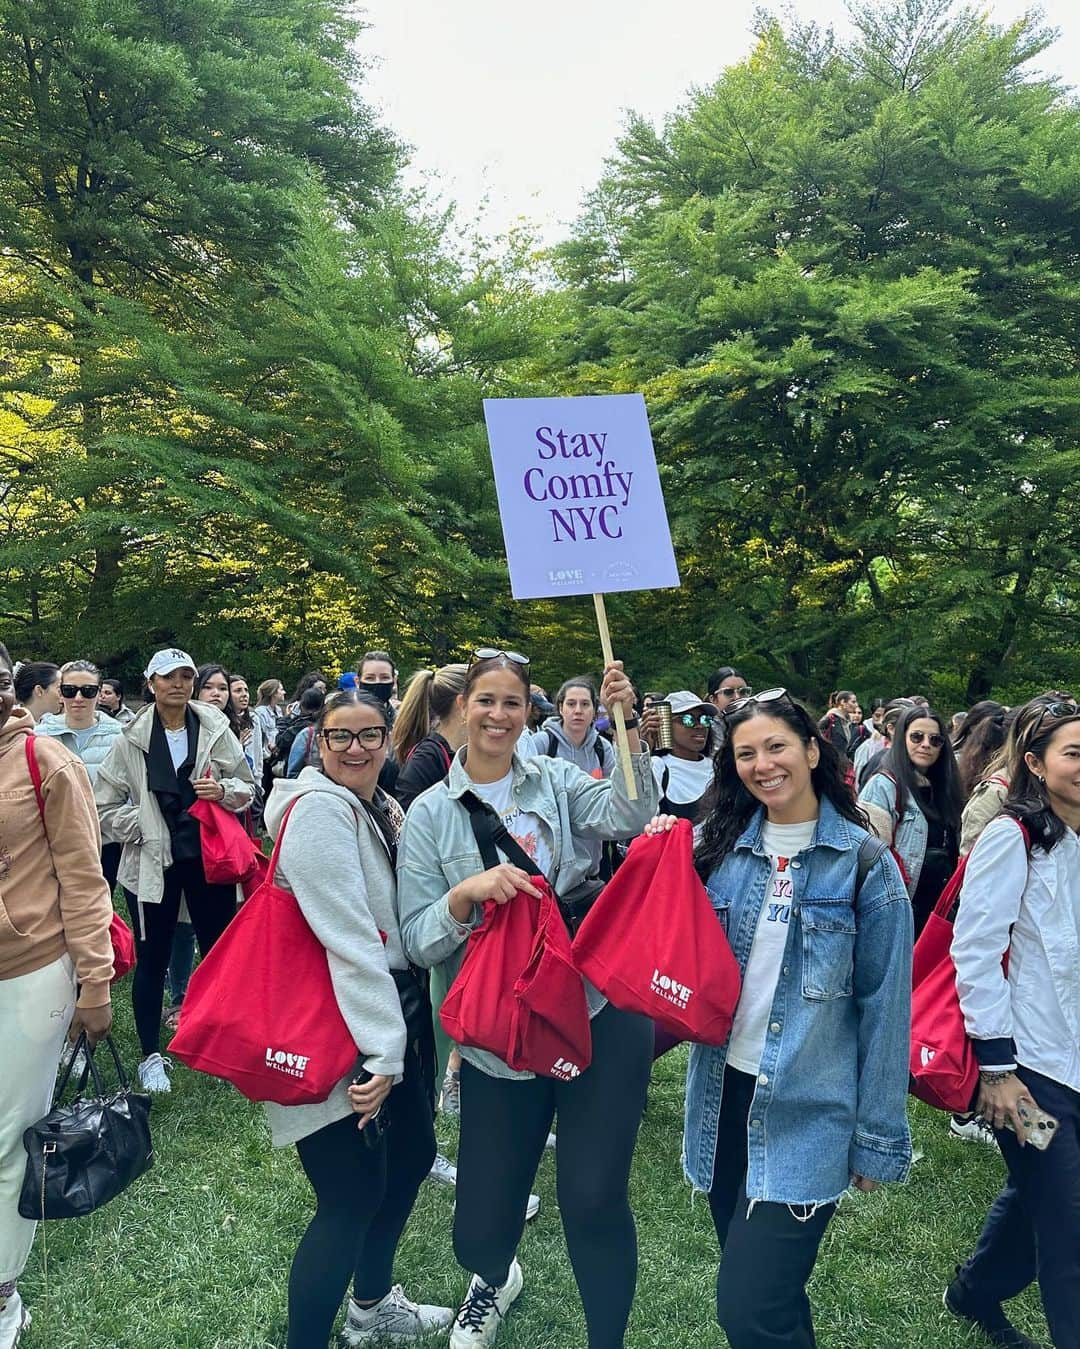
(554, 811)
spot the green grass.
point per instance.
(196, 1254)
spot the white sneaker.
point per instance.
(443, 1171)
(450, 1102)
(394, 1318)
(974, 1129)
(532, 1208)
(14, 1319)
(480, 1315)
(152, 1074)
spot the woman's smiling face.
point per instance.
(774, 765)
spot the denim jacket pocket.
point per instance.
(828, 942)
(721, 907)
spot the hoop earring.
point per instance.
(1041, 778)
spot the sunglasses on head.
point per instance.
(1062, 707)
(933, 738)
(493, 652)
(765, 696)
(72, 690)
(688, 719)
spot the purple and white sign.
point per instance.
(579, 495)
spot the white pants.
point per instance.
(35, 1013)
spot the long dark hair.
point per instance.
(306, 681)
(943, 776)
(1028, 800)
(981, 736)
(731, 805)
(206, 672)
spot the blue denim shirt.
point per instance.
(907, 834)
(832, 1087)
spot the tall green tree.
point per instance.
(845, 278)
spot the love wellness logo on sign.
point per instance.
(579, 495)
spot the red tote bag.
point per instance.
(942, 1066)
(260, 1010)
(229, 853)
(121, 936)
(652, 944)
(517, 994)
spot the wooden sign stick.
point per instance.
(620, 718)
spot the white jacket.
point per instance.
(1030, 906)
(129, 811)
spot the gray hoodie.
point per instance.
(584, 755)
(335, 862)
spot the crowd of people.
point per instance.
(823, 844)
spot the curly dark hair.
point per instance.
(730, 805)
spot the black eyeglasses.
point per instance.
(1064, 707)
(765, 696)
(493, 652)
(932, 738)
(688, 720)
(340, 738)
(744, 692)
(72, 690)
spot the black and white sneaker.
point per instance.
(481, 1314)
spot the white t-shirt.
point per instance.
(781, 842)
(178, 746)
(688, 779)
(527, 829)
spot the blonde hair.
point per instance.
(429, 698)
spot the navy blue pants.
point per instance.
(1033, 1228)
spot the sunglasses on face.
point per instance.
(743, 692)
(765, 696)
(340, 739)
(492, 652)
(73, 690)
(933, 738)
(688, 720)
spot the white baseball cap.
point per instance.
(172, 658)
(685, 701)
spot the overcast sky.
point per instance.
(518, 105)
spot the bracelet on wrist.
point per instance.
(632, 723)
(994, 1076)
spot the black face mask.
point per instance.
(383, 690)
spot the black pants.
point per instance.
(768, 1254)
(504, 1125)
(212, 907)
(1033, 1228)
(364, 1197)
(110, 863)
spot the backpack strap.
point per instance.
(35, 775)
(552, 751)
(870, 849)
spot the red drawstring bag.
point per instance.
(517, 994)
(652, 943)
(229, 853)
(260, 1009)
(121, 936)
(942, 1065)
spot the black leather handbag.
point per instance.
(84, 1154)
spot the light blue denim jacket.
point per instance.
(438, 849)
(832, 1088)
(907, 834)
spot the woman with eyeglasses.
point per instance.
(914, 803)
(809, 1094)
(1021, 898)
(366, 1149)
(88, 732)
(554, 810)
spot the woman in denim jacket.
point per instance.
(808, 1095)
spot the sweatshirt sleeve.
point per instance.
(86, 909)
(320, 861)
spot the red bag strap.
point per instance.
(35, 775)
(277, 842)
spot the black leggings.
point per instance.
(504, 1125)
(364, 1197)
(211, 907)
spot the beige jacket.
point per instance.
(129, 811)
(53, 897)
(984, 804)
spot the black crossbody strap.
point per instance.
(870, 849)
(491, 833)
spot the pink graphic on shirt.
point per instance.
(528, 843)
